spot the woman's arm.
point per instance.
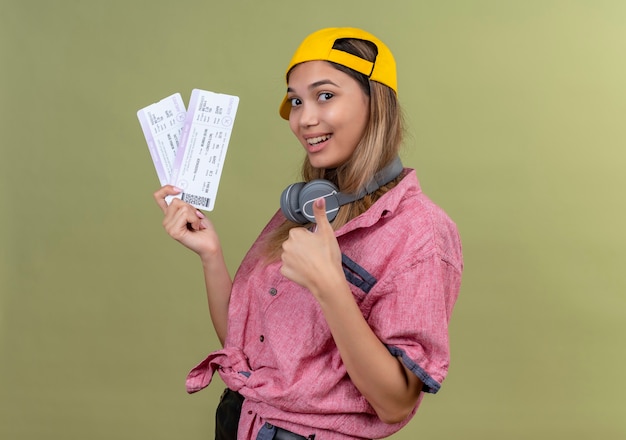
(218, 286)
(191, 228)
(384, 381)
(313, 260)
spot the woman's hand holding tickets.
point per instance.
(313, 259)
(186, 224)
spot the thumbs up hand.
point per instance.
(313, 259)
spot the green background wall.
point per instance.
(516, 111)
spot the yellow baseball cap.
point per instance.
(319, 47)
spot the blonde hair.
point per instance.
(379, 145)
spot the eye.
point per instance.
(325, 96)
(295, 102)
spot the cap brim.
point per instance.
(285, 108)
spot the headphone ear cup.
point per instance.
(313, 191)
(289, 203)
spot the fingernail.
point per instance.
(200, 215)
(178, 189)
(319, 202)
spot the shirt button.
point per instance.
(273, 291)
(262, 338)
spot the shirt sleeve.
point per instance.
(410, 313)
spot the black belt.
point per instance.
(283, 434)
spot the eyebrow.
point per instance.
(316, 84)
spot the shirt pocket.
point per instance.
(360, 280)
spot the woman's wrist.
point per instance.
(210, 255)
(331, 288)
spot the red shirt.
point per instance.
(403, 262)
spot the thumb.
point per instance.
(319, 211)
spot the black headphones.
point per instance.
(297, 199)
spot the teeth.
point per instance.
(317, 140)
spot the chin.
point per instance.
(321, 162)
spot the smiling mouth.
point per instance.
(318, 139)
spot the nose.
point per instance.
(309, 115)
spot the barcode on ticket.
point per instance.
(196, 200)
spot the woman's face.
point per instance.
(329, 112)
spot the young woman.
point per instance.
(336, 322)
